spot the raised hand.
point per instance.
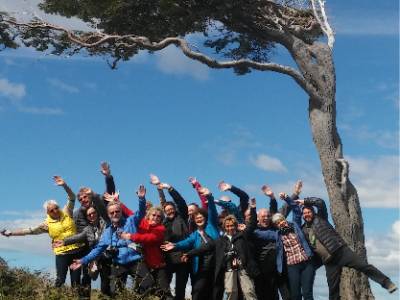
(253, 202)
(125, 236)
(58, 180)
(57, 243)
(204, 191)
(193, 180)
(283, 195)
(164, 186)
(267, 191)
(299, 201)
(297, 187)
(105, 168)
(5, 232)
(223, 186)
(141, 192)
(77, 263)
(154, 179)
(167, 247)
(111, 197)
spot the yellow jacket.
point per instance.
(61, 229)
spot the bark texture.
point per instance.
(316, 63)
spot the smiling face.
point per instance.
(154, 216)
(308, 214)
(114, 213)
(192, 210)
(85, 199)
(281, 224)
(53, 211)
(170, 211)
(264, 217)
(200, 220)
(91, 215)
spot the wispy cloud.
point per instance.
(40, 110)
(172, 61)
(268, 163)
(383, 138)
(12, 90)
(365, 21)
(61, 85)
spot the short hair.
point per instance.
(84, 190)
(263, 210)
(114, 203)
(194, 203)
(169, 203)
(230, 218)
(49, 202)
(202, 212)
(277, 218)
(153, 209)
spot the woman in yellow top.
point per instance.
(59, 224)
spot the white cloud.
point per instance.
(40, 110)
(11, 90)
(63, 86)
(268, 163)
(376, 180)
(172, 61)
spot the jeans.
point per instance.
(246, 285)
(202, 288)
(345, 257)
(301, 280)
(119, 274)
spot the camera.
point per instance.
(111, 252)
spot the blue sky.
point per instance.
(167, 115)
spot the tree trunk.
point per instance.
(316, 63)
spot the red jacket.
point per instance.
(151, 237)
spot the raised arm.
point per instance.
(126, 212)
(154, 180)
(273, 204)
(294, 207)
(253, 218)
(243, 196)
(141, 212)
(69, 207)
(318, 203)
(212, 209)
(197, 186)
(106, 171)
(178, 199)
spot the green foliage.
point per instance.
(21, 284)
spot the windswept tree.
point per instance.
(235, 34)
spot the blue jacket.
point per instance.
(110, 238)
(280, 251)
(232, 209)
(194, 239)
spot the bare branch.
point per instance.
(322, 19)
(93, 40)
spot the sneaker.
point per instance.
(392, 288)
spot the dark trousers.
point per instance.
(301, 280)
(161, 280)
(202, 289)
(181, 277)
(345, 257)
(119, 274)
(104, 266)
(63, 261)
(266, 283)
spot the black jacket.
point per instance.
(241, 246)
(323, 230)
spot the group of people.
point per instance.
(239, 252)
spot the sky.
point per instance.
(165, 114)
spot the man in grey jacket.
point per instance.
(332, 250)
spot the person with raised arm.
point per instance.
(202, 266)
(151, 236)
(270, 280)
(176, 224)
(60, 225)
(90, 235)
(235, 267)
(124, 257)
(87, 198)
(243, 198)
(331, 249)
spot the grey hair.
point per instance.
(49, 202)
(277, 217)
